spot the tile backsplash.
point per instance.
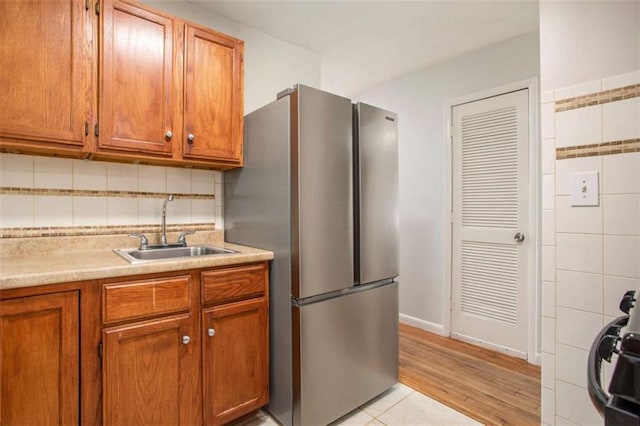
(592, 253)
(50, 196)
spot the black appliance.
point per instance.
(619, 406)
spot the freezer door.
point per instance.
(377, 194)
(322, 195)
(345, 353)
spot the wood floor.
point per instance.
(490, 387)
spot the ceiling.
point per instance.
(364, 43)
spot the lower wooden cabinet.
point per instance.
(149, 373)
(235, 360)
(39, 360)
(188, 349)
(177, 348)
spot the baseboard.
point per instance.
(422, 324)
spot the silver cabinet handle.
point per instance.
(211, 332)
(169, 134)
(519, 237)
(191, 138)
(186, 340)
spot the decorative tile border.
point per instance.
(66, 231)
(91, 193)
(599, 98)
(606, 148)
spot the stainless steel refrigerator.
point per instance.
(319, 188)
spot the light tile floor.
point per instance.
(399, 406)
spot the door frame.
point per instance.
(534, 355)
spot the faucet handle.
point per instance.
(182, 240)
(144, 242)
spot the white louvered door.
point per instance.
(490, 147)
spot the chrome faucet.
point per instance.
(163, 239)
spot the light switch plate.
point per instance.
(584, 189)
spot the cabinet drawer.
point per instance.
(145, 298)
(224, 285)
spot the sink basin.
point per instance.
(137, 256)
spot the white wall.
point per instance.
(270, 65)
(586, 49)
(587, 40)
(419, 100)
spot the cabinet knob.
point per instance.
(190, 138)
(169, 134)
(186, 339)
(211, 332)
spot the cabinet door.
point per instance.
(45, 71)
(235, 360)
(213, 109)
(150, 373)
(136, 99)
(39, 360)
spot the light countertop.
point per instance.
(28, 263)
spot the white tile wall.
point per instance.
(91, 175)
(548, 227)
(548, 370)
(622, 256)
(621, 214)
(583, 219)
(581, 126)
(122, 177)
(621, 120)
(622, 173)
(202, 182)
(16, 211)
(54, 173)
(152, 178)
(548, 299)
(579, 90)
(548, 335)
(548, 402)
(577, 328)
(571, 365)
(89, 211)
(548, 263)
(597, 249)
(547, 120)
(179, 181)
(621, 80)
(548, 156)
(573, 404)
(16, 171)
(579, 252)
(24, 171)
(548, 192)
(53, 211)
(122, 211)
(579, 290)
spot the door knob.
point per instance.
(186, 340)
(211, 332)
(191, 138)
(519, 237)
(168, 135)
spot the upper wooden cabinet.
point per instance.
(166, 91)
(168, 87)
(137, 102)
(45, 75)
(213, 96)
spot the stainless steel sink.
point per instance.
(163, 253)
